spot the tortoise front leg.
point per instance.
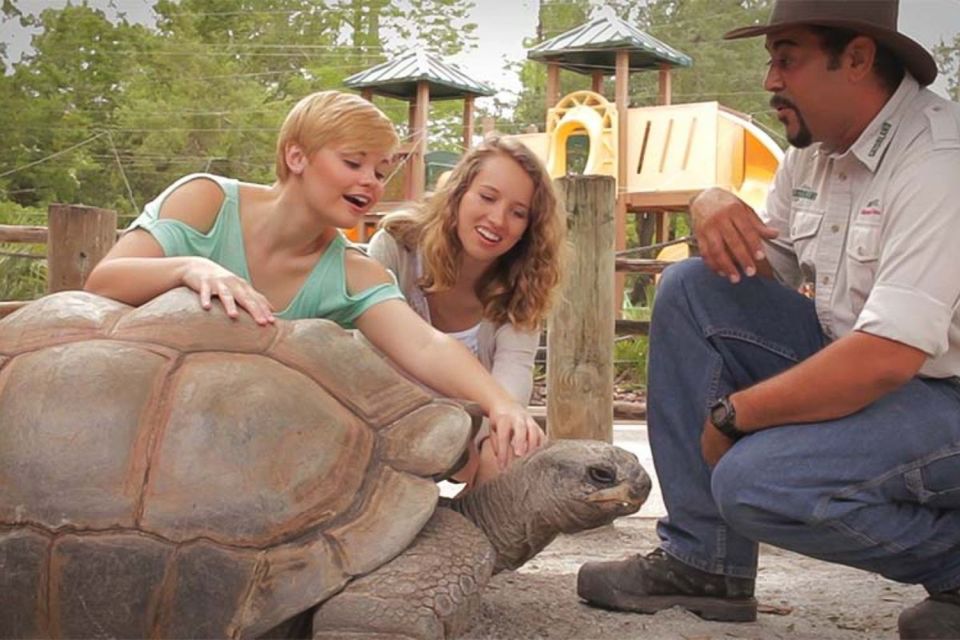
(429, 591)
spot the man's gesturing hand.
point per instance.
(729, 234)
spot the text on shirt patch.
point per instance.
(884, 130)
(872, 209)
(804, 193)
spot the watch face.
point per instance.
(718, 413)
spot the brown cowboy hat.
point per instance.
(874, 18)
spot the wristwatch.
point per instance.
(724, 417)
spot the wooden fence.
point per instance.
(581, 331)
(77, 237)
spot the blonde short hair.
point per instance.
(519, 288)
(334, 117)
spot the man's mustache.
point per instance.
(778, 102)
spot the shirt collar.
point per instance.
(873, 142)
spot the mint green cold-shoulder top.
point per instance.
(323, 294)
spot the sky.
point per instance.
(502, 25)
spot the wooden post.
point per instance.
(78, 239)
(367, 94)
(580, 328)
(596, 82)
(467, 122)
(417, 163)
(664, 93)
(621, 89)
(553, 85)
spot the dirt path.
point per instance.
(813, 599)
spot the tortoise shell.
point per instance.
(166, 471)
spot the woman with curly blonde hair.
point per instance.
(480, 261)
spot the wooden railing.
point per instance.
(77, 237)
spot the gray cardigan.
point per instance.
(504, 350)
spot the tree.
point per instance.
(107, 112)
(729, 72)
(553, 18)
(63, 96)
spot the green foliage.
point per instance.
(630, 362)
(729, 72)
(107, 113)
(554, 17)
(21, 278)
(680, 226)
(62, 97)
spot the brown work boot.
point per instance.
(657, 581)
(935, 618)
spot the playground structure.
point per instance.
(676, 152)
(660, 156)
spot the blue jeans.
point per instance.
(878, 490)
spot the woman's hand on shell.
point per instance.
(211, 280)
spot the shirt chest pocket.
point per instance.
(863, 242)
(803, 233)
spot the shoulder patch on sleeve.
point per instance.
(944, 125)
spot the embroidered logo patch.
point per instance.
(884, 130)
(872, 209)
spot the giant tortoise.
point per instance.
(168, 472)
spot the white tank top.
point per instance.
(468, 337)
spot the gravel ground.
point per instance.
(800, 597)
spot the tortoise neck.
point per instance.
(507, 513)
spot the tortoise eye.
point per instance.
(601, 474)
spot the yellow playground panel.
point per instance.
(673, 151)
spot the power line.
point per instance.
(52, 155)
(122, 174)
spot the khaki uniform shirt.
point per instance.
(875, 230)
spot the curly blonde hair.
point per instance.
(519, 286)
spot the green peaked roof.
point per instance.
(398, 78)
(593, 47)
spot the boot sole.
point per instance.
(719, 609)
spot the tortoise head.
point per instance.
(575, 485)
(565, 487)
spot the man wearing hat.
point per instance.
(830, 424)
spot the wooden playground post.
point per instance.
(467, 122)
(580, 329)
(79, 237)
(417, 145)
(622, 101)
(664, 91)
(553, 85)
(596, 82)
